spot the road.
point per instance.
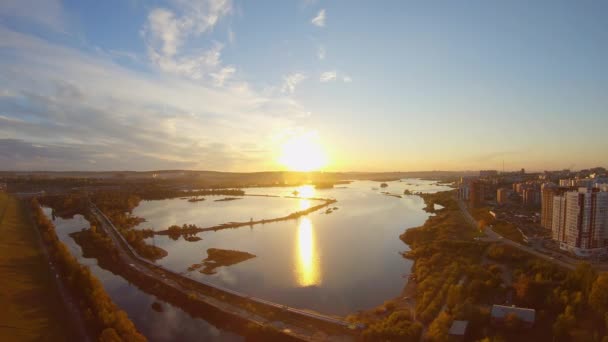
(492, 236)
(302, 331)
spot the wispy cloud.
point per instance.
(75, 110)
(332, 76)
(291, 81)
(223, 75)
(166, 31)
(328, 76)
(321, 53)
(319, 20)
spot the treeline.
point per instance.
(118, 207)
(65, 206)
(103, 317)
(159, 193)
(573, 305)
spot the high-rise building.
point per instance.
(580, 221)
(531, 197)
(502, 195)
(477, 193)
(548, 191)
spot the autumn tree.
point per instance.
(598, 297)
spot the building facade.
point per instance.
(547, 192)
(531, 197)
(477, 193)
(580, 221)
(502, 195)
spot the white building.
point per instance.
(580, 221)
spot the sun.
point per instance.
(303, 153)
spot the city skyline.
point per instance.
(238, 86)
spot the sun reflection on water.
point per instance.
(306, 191)
(307, 257)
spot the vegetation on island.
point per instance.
(196, 199)
(220, 257)
(226, 199)
(191, 229)
(104, 318)
(118, 207)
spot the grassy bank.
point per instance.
(31, 308)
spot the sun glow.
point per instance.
(303, 153)
(307, 257)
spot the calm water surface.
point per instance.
(333, 263)
(172, 324)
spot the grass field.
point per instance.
(30, 306)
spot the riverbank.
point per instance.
(30, 302)
(445, 255)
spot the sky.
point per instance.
(376, 85)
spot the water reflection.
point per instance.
(306, 191)
(304, 204)
(307, 267)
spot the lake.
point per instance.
(334, 263)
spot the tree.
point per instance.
(109, 335)
(438, 329)
(564, 324)
(521, 286)
(598, 297)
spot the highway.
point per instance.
(302, 331)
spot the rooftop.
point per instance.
(525, 314)
(458, 328)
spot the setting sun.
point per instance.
(303, 153)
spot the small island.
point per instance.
(226, 199)
(196, 199)
(220, 257)
(383, 185)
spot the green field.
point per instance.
(30, 306)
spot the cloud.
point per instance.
(223, 75)
(332, 76)
(291, 81)
(48, 13)
(63, 108)
(321, 53)
(167, 31)
(328, 76)
(319, 20)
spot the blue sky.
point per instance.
(220, 85)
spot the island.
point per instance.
(220, 257)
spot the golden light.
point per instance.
(306, 191)
(303, 153)
(307, 257)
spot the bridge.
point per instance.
(176, 280)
